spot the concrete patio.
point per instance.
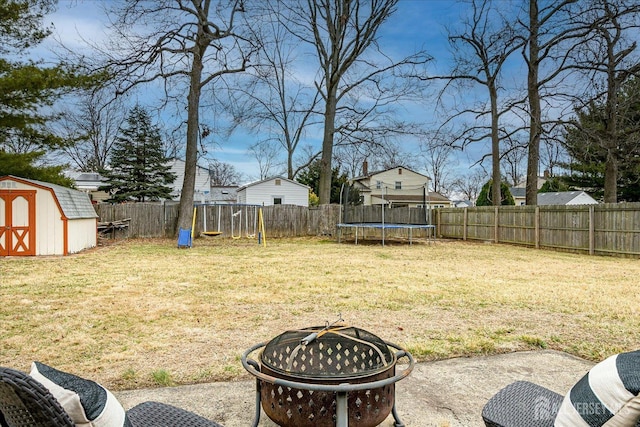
(445, 393)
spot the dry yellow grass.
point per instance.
(140, 313)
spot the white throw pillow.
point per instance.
(87, 402)
(608, 395)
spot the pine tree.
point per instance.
(139, 169)
(485, 198)
(28, 89)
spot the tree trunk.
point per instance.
(185, 216)
(535, 115)
(611, 178)
(324, 185)
(495, 146)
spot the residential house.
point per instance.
(89, 182)
(397, 187)
(224, 194)
(566, 198)
(555, 198)
(519, 195)
(462, 203)
(519, 192)
(274, 191)
(202, 190)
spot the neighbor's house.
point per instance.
(202, 190)
(557, 198)
(566, 198)
(519, 192)
(397, 187)
(462, 203)
(519, 195)
(89, 182)
(274, 191)
(39, 218)
(224, 194)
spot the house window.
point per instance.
(378, 184)
(277, 200)
(278, 182)
(398, 185)
(399, 171)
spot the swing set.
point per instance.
(237, 221)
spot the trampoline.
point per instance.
(386, 226)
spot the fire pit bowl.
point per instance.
(327, 376)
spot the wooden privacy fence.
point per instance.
(595, 229)
(160, 219)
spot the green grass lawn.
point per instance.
(142, 312)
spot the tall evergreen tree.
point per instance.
(139, 169)
(311, 177)
(587, 143)
(27, 89)
(24, 165)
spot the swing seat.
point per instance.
(211, 233)
(184, 238)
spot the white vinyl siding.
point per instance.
(81, 232)
(267, 193)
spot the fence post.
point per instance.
(495, 227)
(464, 225)
(592, 231)
(536, 220)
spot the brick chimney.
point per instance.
(365, 168)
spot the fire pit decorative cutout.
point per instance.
(324, 376)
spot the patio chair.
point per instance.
(25, 402)
(608, 395)
(522, 404)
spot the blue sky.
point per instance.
(417, 24)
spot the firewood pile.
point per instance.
(109, 229)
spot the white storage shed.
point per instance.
(274, 191)
(39, 218)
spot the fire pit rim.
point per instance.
(254, 369)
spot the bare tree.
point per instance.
(276, 103)
(552, 152)
(223, 173)
(343, 34)
(266, 154)
(552, 32)
(611, 57)
(437, 152)
(179, 43)
(513, 156)
(469, 185)
(481, 50)
(91, 129)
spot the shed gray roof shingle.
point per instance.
(75, 204)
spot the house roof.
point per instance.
(520, 192)
(251, 184)
(431, 198)
(370, 174)
(564, 198)
(74, 204)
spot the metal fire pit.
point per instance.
(324, 376)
